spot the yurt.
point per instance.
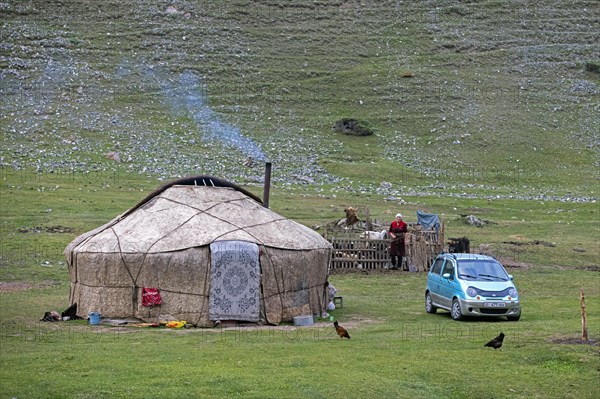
(203, 250)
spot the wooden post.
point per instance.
(584, 332)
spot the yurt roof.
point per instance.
(192, 212)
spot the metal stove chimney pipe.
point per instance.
(267, 186)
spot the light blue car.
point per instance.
(471, 285)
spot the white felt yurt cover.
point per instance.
(164, 242)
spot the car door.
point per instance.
(434, 280)
(448, 283)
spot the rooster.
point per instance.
(496, 342)
(341, 331)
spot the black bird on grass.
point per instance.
(496, 342)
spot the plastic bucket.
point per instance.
(94, 318)
(304, 320)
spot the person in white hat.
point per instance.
(397, 230)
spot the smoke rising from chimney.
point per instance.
(188, 95)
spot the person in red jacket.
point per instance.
(397, 230)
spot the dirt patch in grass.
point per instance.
(45, 229)
(592, 268)
(374, 272)
(351, 322)
(534, 242)
(13, 286)
(576, 341)
(514, 264)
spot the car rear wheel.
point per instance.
(455, 310)
(429, 308)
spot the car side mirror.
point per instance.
(446, 276)
(510, 276)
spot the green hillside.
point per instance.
(483, 98)
(486, 110)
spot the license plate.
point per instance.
(494, 305)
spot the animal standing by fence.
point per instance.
(459, 245)
(374, 235)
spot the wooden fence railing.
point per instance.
(422, 246)
(360, 253)
(350, 252)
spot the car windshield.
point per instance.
(482, 270)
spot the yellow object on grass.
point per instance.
(175, 324)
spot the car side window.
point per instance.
(437, 266)
(449, 268)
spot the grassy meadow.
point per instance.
(485, 108)
(395, 349)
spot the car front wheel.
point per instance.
(514, 318)
(429, 308)
(455, 310)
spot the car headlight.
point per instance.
(472, 291)
(513, 293)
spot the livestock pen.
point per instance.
(352, 250)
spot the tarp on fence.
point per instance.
(428, 220)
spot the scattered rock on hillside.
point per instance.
(474, 221)
(115, 156)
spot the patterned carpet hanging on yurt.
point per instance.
(235, 279)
